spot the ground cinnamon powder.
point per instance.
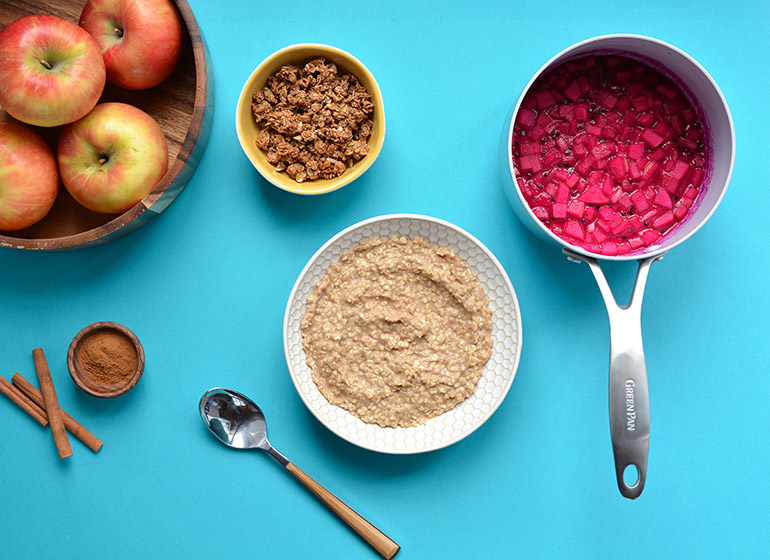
(108, 356)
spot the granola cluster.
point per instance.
(315, 120)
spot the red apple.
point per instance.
(51, 71)
(140, 39)
(29, 180)
(112, 158)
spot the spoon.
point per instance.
(238, 422)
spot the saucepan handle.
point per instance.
(629, 401)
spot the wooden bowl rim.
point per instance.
(90, 385)
(76, 239)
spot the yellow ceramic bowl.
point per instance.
(248, 130)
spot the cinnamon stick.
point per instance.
(74, 427)
(51, 404)
(23, 401)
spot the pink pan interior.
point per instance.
(713, 111)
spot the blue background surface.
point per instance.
(205, 284)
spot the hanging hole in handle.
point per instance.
(631, 475)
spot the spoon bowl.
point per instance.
(235, 420)
(238, 422)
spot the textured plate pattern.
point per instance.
(498, 373)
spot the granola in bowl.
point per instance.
(315, 120)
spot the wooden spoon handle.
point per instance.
(371, 534)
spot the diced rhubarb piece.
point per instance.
(581, 112)
(574, 229)
(645, 119)
(600, 164)
(694, 134)
(636, 151)
(576, 208)
(652, 138)
(526, 117)
(690, 193)
(618, 167)
(608, 100)
(624, 103)
(649, 171)
(566, 111)
(531, 163)
(624, 202)
(593, 130)
(662, 128)
(594, 195)
(663, 221)
(609, 248)
(585, 165)
(639, 201)
(640, 103)
(560, 175)
(633, 171)
(607, 186)
(609, 132)
(596, 232)
(572, 180)
(544, 99)
(544, 120)
(697, 177)
(650, 236)
(606, 214)
(691, 145)
(635, 243)
(603, 150)
(541, 213)
(620, 227)
(615, 196)
(562, 194)
(680, 169)
(681, 209)
(663, 199)
(562, 144)
(671, 184)
(573, 91)
(536, 132)
(658, 155)
(559, 211)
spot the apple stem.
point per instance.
(46, 64)
(102, 160)
(118, 31)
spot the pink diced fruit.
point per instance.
(609, 154)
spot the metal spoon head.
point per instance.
(234, 419)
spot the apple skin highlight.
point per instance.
(141, 40)
(112, 158)
(51, 71)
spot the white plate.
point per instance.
(498, 373)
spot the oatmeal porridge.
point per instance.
(397, 331)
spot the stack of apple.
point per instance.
(52, 73)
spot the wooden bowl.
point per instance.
(88, 382)
(248, 130)
(183, 107)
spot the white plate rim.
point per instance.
(508, 286)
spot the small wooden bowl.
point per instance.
(183, 107)
(248, 130)
(87, 382)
